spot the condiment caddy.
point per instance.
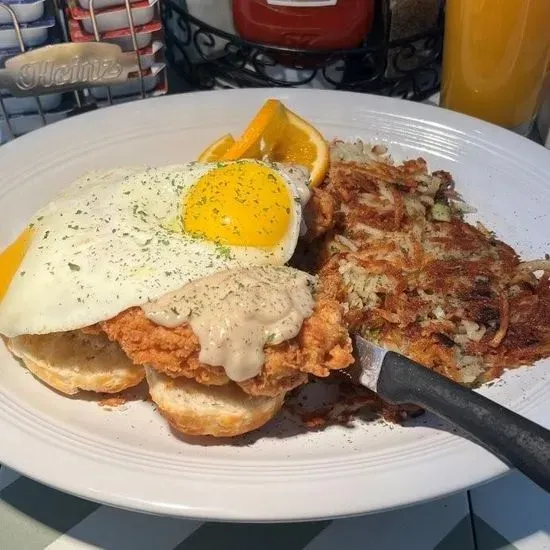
(69, 79)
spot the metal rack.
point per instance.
(81, 100)
(206, 57)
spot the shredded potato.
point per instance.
(419, 279)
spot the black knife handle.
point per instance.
(511, 437)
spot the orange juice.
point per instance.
(495, 57)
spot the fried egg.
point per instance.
(124, 237)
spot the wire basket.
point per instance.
(206, 58)
(22, 113)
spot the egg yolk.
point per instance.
(11, 258)
(242, 203)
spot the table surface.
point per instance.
(509, 513)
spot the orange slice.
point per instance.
(303, 144)
(278, 135)
(215, 150)
(261, 135)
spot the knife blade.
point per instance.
(514, 439)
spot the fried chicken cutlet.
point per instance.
(322, 345)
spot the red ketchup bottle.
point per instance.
(304, 24)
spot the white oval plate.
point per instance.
(129, 458)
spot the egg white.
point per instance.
(114, 240)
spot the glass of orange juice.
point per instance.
(495, 57)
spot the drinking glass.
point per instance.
(495, 57)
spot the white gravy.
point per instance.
(235, 313)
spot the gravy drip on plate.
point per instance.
(235, 313)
